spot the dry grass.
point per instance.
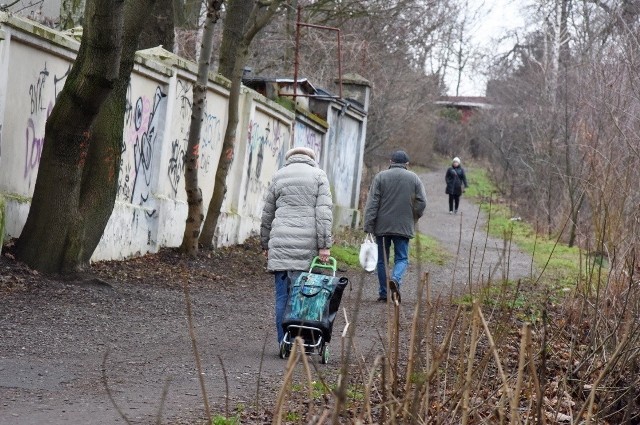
(576, 360)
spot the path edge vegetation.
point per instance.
(489, 359)
(495, 361)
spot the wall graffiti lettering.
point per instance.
(272, 139)
(36, 89)
(39, 95)
(211, 137)
(184, 97)
(141, 132)
(124, 188)
(264, 143)
(146, 134)
(307, 137)
(57, 88)
(33, 145)
(344, 139)
(176, 165)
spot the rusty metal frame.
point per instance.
(296, 62)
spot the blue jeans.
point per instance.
(282, 280)
(282, 294)
(400, 260)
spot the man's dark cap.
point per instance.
(400, 157)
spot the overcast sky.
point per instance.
(496, 17)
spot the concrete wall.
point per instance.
(151, 208)
(344, 156)
(312, 134)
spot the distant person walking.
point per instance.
(297, 221)
(396, 201)
(456, 182)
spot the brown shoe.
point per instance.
(395, 291)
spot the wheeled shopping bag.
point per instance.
(312, 306)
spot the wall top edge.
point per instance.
(312, 118)
(38, 30)
(171, 60)
(268, 105)
(348, 110)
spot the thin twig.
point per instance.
(226, 387)
(163, 399)
(108, 390)
(470, 360)
(492, 347)
(194, 346)
(293, 359)
(515, 399)
(264, 349)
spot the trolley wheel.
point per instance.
(284, 350)
(324, 354)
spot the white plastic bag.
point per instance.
(369, 253)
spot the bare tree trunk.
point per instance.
(100, 176)
(194, 193)
(160, 29)
(236, 53)
(78, 173)
(187, 18)
(45, 240)
(235, 23)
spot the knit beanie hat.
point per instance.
(400, 157)
(456, 159)
(301, 150)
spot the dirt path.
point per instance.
(54, 335)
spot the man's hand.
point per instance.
(324, 254)
(265, 253)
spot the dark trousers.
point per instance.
(454, 202)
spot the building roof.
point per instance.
(303, 83)
(464, 101)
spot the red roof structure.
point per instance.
(468, 105)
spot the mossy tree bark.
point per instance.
(160, 27)
(194, 193)
(244, 19)
(78, 175)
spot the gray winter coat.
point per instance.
(396, 200)
(297, 217)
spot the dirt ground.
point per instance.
(66, 347)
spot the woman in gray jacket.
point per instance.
(297, 220)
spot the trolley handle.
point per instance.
(332, 265)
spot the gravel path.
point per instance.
(54, 335)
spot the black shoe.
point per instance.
(395, 291)
(382, 299)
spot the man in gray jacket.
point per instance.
(297, 221)
(396, 201)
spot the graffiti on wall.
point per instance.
(266, 142)
(210, 138)
(176, 165)
(36, 89)
(344, 139)
(41, 104)
(177, 160)
(308, 137)
(141, 131)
